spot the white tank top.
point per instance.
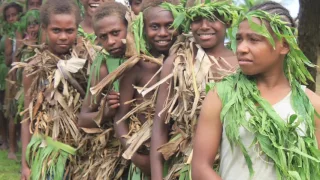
(233, 165)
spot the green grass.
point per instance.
(9, 169)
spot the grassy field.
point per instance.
(9, 169)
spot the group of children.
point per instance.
(152, 92)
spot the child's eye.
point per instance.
(154, 27)
(254, 39)
(115, 33)
(238, 38)
(56, 31)
(169, 26)
(70, 31)
(103, 37)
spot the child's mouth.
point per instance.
(94, 5)
(206, 36)
(163, 42)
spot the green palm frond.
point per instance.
(48, 157)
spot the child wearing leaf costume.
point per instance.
(28, 23)
(139, 73)
(99, 150)
(201, 58)
(54, 82)
(11, 14)
(265, 121)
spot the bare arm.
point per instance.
(89, 109)
(127, 93)
(25, 133)
(160, 129)
(122, 128)
(315, 100)
(8, 52)
(207, 139)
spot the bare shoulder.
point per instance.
(314, 98)
(148, 65)
(103, 70)
(232, 60)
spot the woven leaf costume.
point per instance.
(99, 149)
(294, 156)
(56, 94)
(192, 70)
(138, 133)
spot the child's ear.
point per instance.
(285, 48)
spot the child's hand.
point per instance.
(142, 162)
(25, 173)
(113, 100)
(32, 37)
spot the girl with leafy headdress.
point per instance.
(264, 120)
(54, 82)
(11, 12)
(201, 58)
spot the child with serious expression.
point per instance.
(249, 117)
(59, 19)
(110, 26)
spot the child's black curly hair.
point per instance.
(59, 7)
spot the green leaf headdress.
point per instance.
(226, 11)
(31, 17)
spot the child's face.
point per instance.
(136, 6)
(159, 33)
(33, 28)
(11, 15)
(61, 33)
(207, 33)
(90, 6)
(111, 31)
(34, 4)
(255, 53)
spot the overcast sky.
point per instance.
(291, 5)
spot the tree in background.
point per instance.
(309, 33)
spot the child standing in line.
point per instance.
(201, 58)
(264, 120)
(54, 84)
